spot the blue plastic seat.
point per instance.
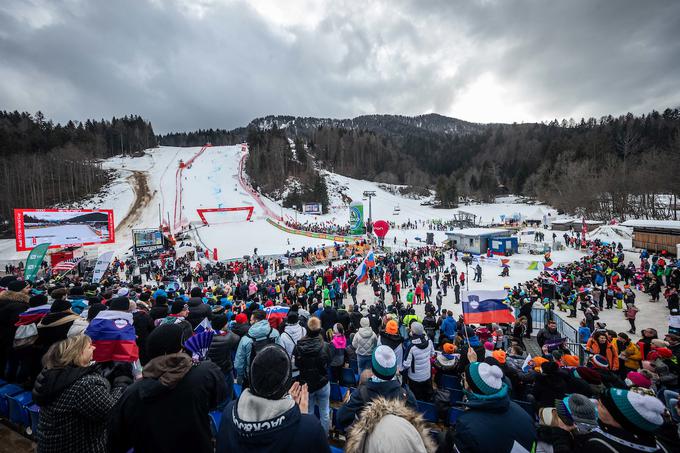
(215, 419)
(18, 408)
(337, 392)
(7, 390)
(451, 382)
(429, 411)
(336, 449)
(34, 414)
(453, 415)
(354, 365)
(334, 421)
(348, 378)
(237, 390)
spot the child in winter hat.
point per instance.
(384, 363)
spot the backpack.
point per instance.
(257, 345)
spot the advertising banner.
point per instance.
(103, 263)
(63, 227)
(34, 260)
(356, 218)
(312, 208)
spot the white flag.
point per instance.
(102, 264)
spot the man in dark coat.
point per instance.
(13, 301)
(198, 311)
(329, 316)
(167, 410)
(223, 345)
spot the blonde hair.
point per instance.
(314, 323)
(67, 352)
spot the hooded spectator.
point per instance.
(146, 420)
(364, 343)
(417, 363)
(271, 415)
(291, 334)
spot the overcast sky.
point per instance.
(188, 64)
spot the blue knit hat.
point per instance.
(484, 379)
(634, 411)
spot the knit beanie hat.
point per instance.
(549, 367)
(94, 309)
(292, 317)
(663, 353)
(600, 361)
(119, 304)
(484, 379)
(270, 373)
(177, 307)
(241, 318)
(392, 327)
(60, 305)
(499, 355)
(634, 412)
(364, 322)
(327, 303)
(589, 375)
(635, 379)
(417, 328)
(164, 339)
(659, 343)
(576, 408)
(449, 348)
(384, 363)
(488, 346)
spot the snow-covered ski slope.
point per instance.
(212, 181)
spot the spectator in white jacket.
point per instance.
(290, 336)
(364, 342)
(417, 363)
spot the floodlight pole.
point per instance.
(369, 194)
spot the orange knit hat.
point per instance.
(449, 348)
(499, 355)
(392, 327)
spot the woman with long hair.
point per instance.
(75, 399)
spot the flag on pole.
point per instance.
(34, 260)
(370, 259)
(276, 314)
(33, 315)
(103, 263)
(67, 265)
(485, 307)
(113, 336)
(361, 272)
(203, 326)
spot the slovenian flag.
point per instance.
(33, 315)
(113, 336)
(276, 314)
(485, 307)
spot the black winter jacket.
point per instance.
(221, 349)
(198, 311)
(312, 357)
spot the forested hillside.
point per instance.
(43, 163)
(607, 168)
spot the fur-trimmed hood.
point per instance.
(384, 422)
(14, 296)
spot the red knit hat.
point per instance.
(664, 353)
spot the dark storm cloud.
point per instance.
(186, 65)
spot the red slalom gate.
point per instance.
(201, 212)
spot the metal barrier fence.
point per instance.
(539, 318)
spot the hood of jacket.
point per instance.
(195, 302)
(296, 331)
(262, 422)
(310, 345)
(260, 329)
(420, 341)
(390, 340)
(51, 383)
(168, 369)
(365, 332)
(13, 296)
(382, 423)
(499, 401)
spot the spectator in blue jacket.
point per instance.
(448, 328)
